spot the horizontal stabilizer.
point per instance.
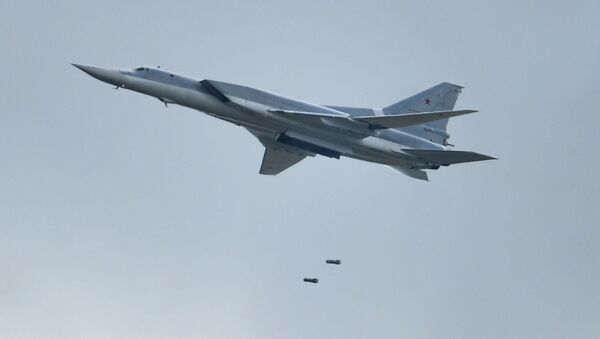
(404, 120)
(446, 157)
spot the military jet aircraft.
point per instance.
(409, 136)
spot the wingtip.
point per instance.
(488, 157)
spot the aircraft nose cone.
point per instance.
(91, 70)
(113, 77)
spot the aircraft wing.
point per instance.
(325, 119)
(413, 173)
(447, 157)
(306, 114)
(404, 120)
(278, 159)
(377, 121)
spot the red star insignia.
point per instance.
(427, 101)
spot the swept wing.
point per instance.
(446, 157)
(277, 159)
(378, 121)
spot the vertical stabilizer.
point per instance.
(441, 97)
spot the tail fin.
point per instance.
(441, 97)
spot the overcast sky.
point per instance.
(120, 218)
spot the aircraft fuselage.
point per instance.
(248, 107)
(292, 129)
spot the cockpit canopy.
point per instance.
(145, 72)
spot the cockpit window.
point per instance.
(139, 69)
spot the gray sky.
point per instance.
(122, 219)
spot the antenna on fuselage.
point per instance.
(163, 101)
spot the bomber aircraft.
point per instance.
(409, 136)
